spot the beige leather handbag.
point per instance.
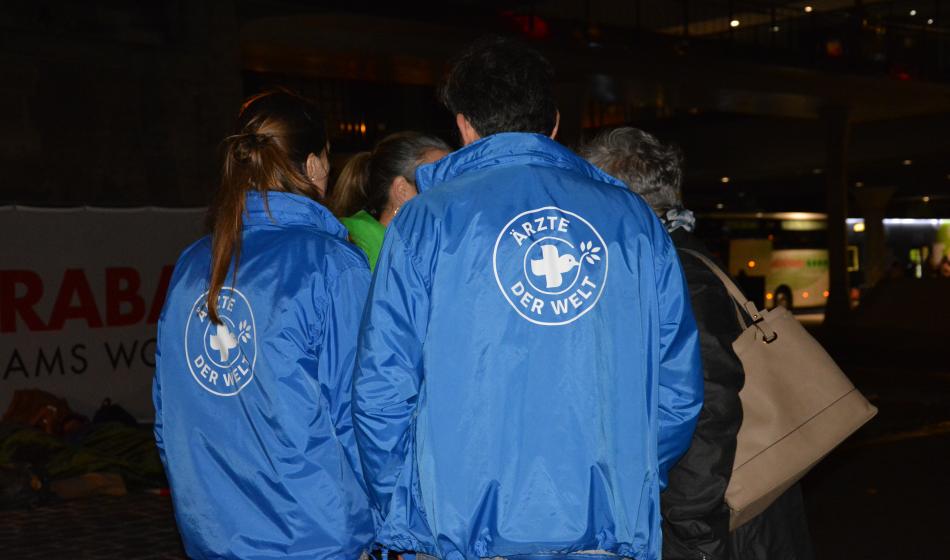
(797, 405)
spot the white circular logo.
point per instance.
(222, 357)
(551, 265)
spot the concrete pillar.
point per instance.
(838, 131)
(873, 203)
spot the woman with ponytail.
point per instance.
(255, 355)
(374, 185)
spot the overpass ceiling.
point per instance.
(763, 149)
(354, 46)
(757, 123)
(712, 17)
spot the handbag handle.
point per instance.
(737, 296)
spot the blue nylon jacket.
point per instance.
(253, 419)
(528, 365)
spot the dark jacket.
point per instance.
(778, 533)
(695, 516)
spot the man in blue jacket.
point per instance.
(528, 368)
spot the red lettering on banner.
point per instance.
(160, 292)
(122, 287)
(74, 284)
(12, 305)
(22, 290)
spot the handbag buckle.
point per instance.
(768, 334)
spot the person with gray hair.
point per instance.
(695, 515)
(650, 168)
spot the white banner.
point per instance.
(80, 294)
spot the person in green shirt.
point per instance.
(374, 185)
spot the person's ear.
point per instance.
(466, 130)
(557, 123)
(401, 191)
(318, 170)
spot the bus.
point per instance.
(777, 258)
(781, 258)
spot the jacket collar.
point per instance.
(290, 209)
(508, 148)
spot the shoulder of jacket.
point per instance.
(325, 255)
(686, 246)
(195, 249)
(339, 258)
(346, 254)
(196, 254)
(697, 273)
(324, 244)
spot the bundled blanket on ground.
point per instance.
(109, 447)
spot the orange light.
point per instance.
(769, 296)
(362, 128)
(825, 293)
(805, 295)
(751, 264)
(771, 237)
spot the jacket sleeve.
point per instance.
(680, 375)
(695, 516)
(347, 296)
(161, 344)
(157, 429)
(389, 371)
(157, 380)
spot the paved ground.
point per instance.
(138, 526)
(882, 502)
(883, 496)
(886, 494)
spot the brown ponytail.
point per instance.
(276, 133)
(364, 183)
(349, 192)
